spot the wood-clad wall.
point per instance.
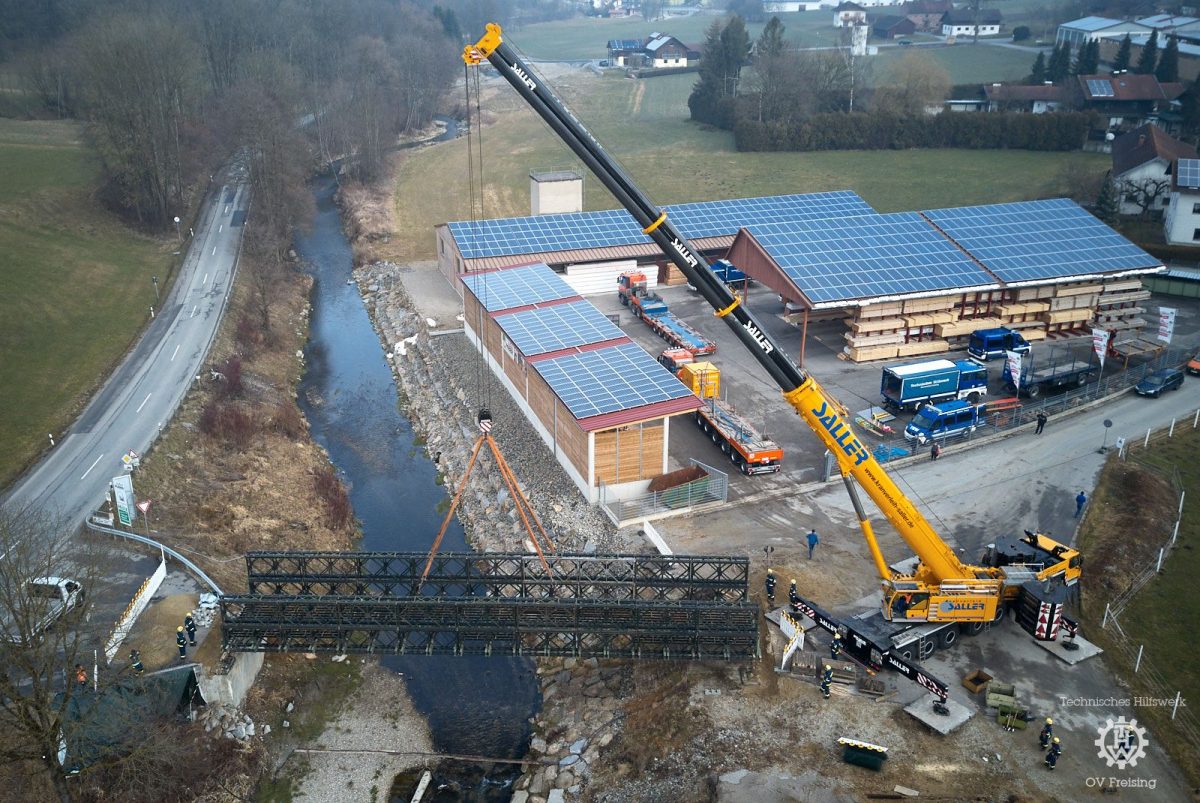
(629, 453)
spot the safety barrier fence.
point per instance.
(711, 488)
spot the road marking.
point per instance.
(220, 228)
(174, 353)
(214, 253)
(227, 209)
(205, 279)
(193, 315)
(92, 466)
(148, 395)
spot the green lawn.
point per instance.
(644, 125)
(74, 285)
(964, 63)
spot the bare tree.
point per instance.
(916, 83)
(40, 650)
(1145, 192)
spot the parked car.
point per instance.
(1193, 366)
(1160, 380)
(904, 43)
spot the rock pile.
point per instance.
(231, 723)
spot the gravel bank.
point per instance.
(379, 716)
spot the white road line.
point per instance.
(214, 253)
(220, 228)
(174, 353)
(193, 315)
(205, 279)
(92, 466)
(148, 395)
(227, 209)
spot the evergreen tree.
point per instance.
(1124, 53)
(1149, 56)
(1107, 202)
(1060, 64)
(1190, 112)
(735, 44)
(1167, 70)
(1038, 76)
(726, 51)
(1087, 62)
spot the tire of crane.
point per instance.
(906, 654)
(1000, 611)
(927, 648)
(948, 636)
(972, 628)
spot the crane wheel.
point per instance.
(906, 654)
(972, 628)
(948, 637)
(927, 648)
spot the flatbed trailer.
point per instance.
(742, 444)
(664, 324)
(1137, 347)
(1036, 381)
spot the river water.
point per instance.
(474, 705)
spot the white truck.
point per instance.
(45, 601)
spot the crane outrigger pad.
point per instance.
(957, 715)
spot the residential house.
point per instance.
(1036, 99)
(962, 22)
(792, 6)
(890, 26)
(848, 14)
(664, 50)
(1143, 163)
(1088, 29)
(1181, 223)
(1125, 101)
(658, 50)
(927, 15)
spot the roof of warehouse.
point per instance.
(871, 255)
(540, 234)
(1032, 241)
(599, 374)
(518, 287)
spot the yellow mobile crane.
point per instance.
(1031, 571)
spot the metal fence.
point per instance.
(895, 446)
(711, 488)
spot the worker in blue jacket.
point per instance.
(826, 680)
(771, 586)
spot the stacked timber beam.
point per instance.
(1071, 307)
(898, 329)
(1118, 308)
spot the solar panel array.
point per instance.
(873, 255)
(540, 331)
(1032, 240)
(608, 380)
(1100, 88)
(543, 233)
(517, 287)
(1187, 173)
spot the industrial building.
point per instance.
(904, 283)
(601, 403)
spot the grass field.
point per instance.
(74, 285)
(644, 124)
(1123, 540)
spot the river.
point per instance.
(474, 705)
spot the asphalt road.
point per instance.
(143, 393)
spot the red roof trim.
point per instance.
(662, 409)
(550, 355)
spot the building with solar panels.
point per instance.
(601, 403)
(905, 283)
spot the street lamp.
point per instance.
(178, 233)
(155, 280)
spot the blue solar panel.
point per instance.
(608, 380)
(1100, 88)
(538, 331)
(873, 255)
(517, 287)
(1033, 240)
(1187, 173)
(543, 233)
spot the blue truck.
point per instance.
(987, 344)
(652, 311)
(938, 422)
(726, 272)
(907, 387)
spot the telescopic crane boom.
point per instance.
(942, 588)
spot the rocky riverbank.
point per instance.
(444, 384)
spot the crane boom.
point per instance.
(828, 419)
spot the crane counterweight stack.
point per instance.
(941, 588)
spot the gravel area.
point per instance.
(379, 716)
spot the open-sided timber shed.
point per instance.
(597, 399)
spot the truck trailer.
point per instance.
(751, 452)
(652, 310)
(907, 387)
(1055, 376)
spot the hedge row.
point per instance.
(1061, 131)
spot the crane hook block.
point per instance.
(473, 54)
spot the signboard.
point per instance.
(1100, 343)
(123, 494)
(1166, 324)
(131, 460)
(144, 506)
(1013, 365)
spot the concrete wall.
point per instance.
(230, 687)
(555, 197)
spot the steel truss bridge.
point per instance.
(604, 606)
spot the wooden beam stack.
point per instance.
(1117, 307)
